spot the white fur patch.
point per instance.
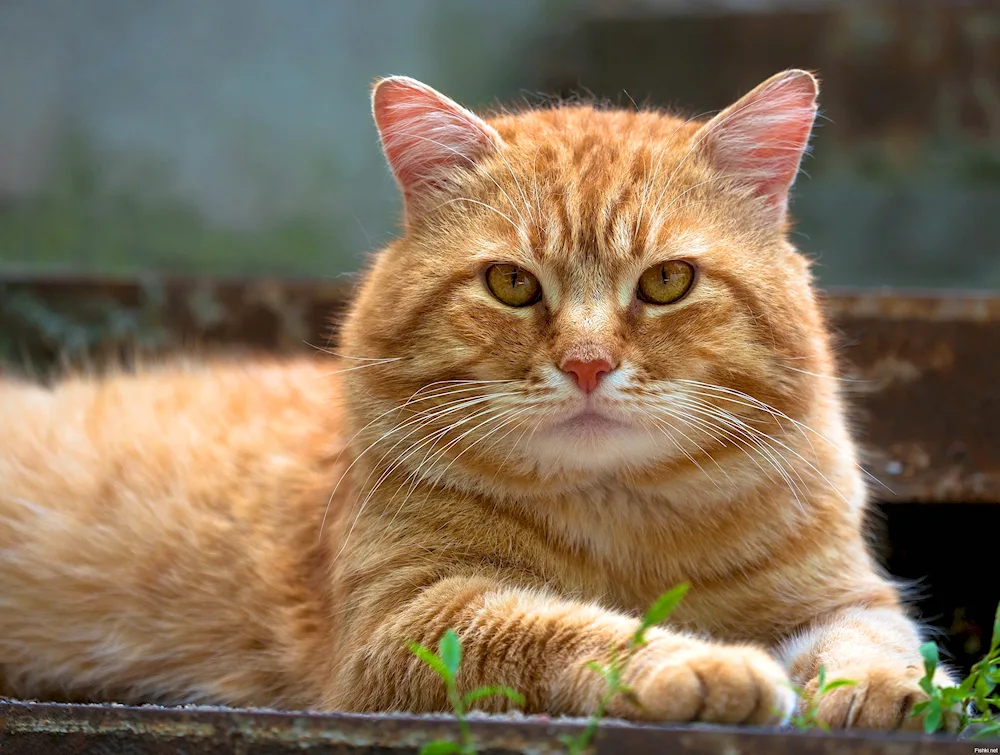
(787, 703)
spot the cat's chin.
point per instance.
(592, 442)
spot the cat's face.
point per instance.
(583, 292)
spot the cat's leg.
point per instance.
(541, 645)
(878, 648)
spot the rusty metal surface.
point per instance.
(922, 369)
(48, 318)
(923, 382)
(31, 728)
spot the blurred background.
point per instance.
(234, 136)
(152, 151)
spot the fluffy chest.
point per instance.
(624, 548)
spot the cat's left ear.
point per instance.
(429, 140)
(759, 141)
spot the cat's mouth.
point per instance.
(590, 422)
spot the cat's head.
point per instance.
(583, 292)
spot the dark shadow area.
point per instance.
(948, 551)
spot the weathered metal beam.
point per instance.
(922, 371)
(53, 729)
(923, 377)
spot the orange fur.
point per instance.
(272, 533)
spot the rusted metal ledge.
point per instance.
(922, 376)
(922, 369)
(36, 728)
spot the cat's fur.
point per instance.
(272, 533)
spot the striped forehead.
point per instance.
(588, 199)
(588, 208)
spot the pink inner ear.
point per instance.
(760, 140)
(781, 147)
(426, 136)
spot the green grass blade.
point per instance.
(995, 642)
(497, 689)
(429, 658)
(440, 747)
(929, 652)
(992, 730)
(573, 746)
(983, 687)
(837, 683)
(450, 650)
(932, 721)
(659, 611)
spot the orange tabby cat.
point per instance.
(592, 368)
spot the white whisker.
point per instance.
(665, 426)
(413, 478)
(411, 399)
(825, 377)
(648, 179)
(354, 368)
(387, 472)
(415, 475)
(511, 449)
(420, 422)
(775, 413)
(745, 437)
(517, 228)
(382, 360)
(713, 428)
(534, 178)
(524, 198)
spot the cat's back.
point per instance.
(176, 502)
(198, 425)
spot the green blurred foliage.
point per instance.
(82, 222)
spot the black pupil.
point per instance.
(513, 278)
(663, 273)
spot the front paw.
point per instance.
(710, 683)
(882, 697)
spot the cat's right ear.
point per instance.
(759, 141)
(428, 139)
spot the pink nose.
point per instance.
(587, 374)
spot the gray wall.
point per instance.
(234, 136)
(227, 135)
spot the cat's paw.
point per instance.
(710, 683)
(882, 698)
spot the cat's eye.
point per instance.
(666, 282)
(513, 285)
